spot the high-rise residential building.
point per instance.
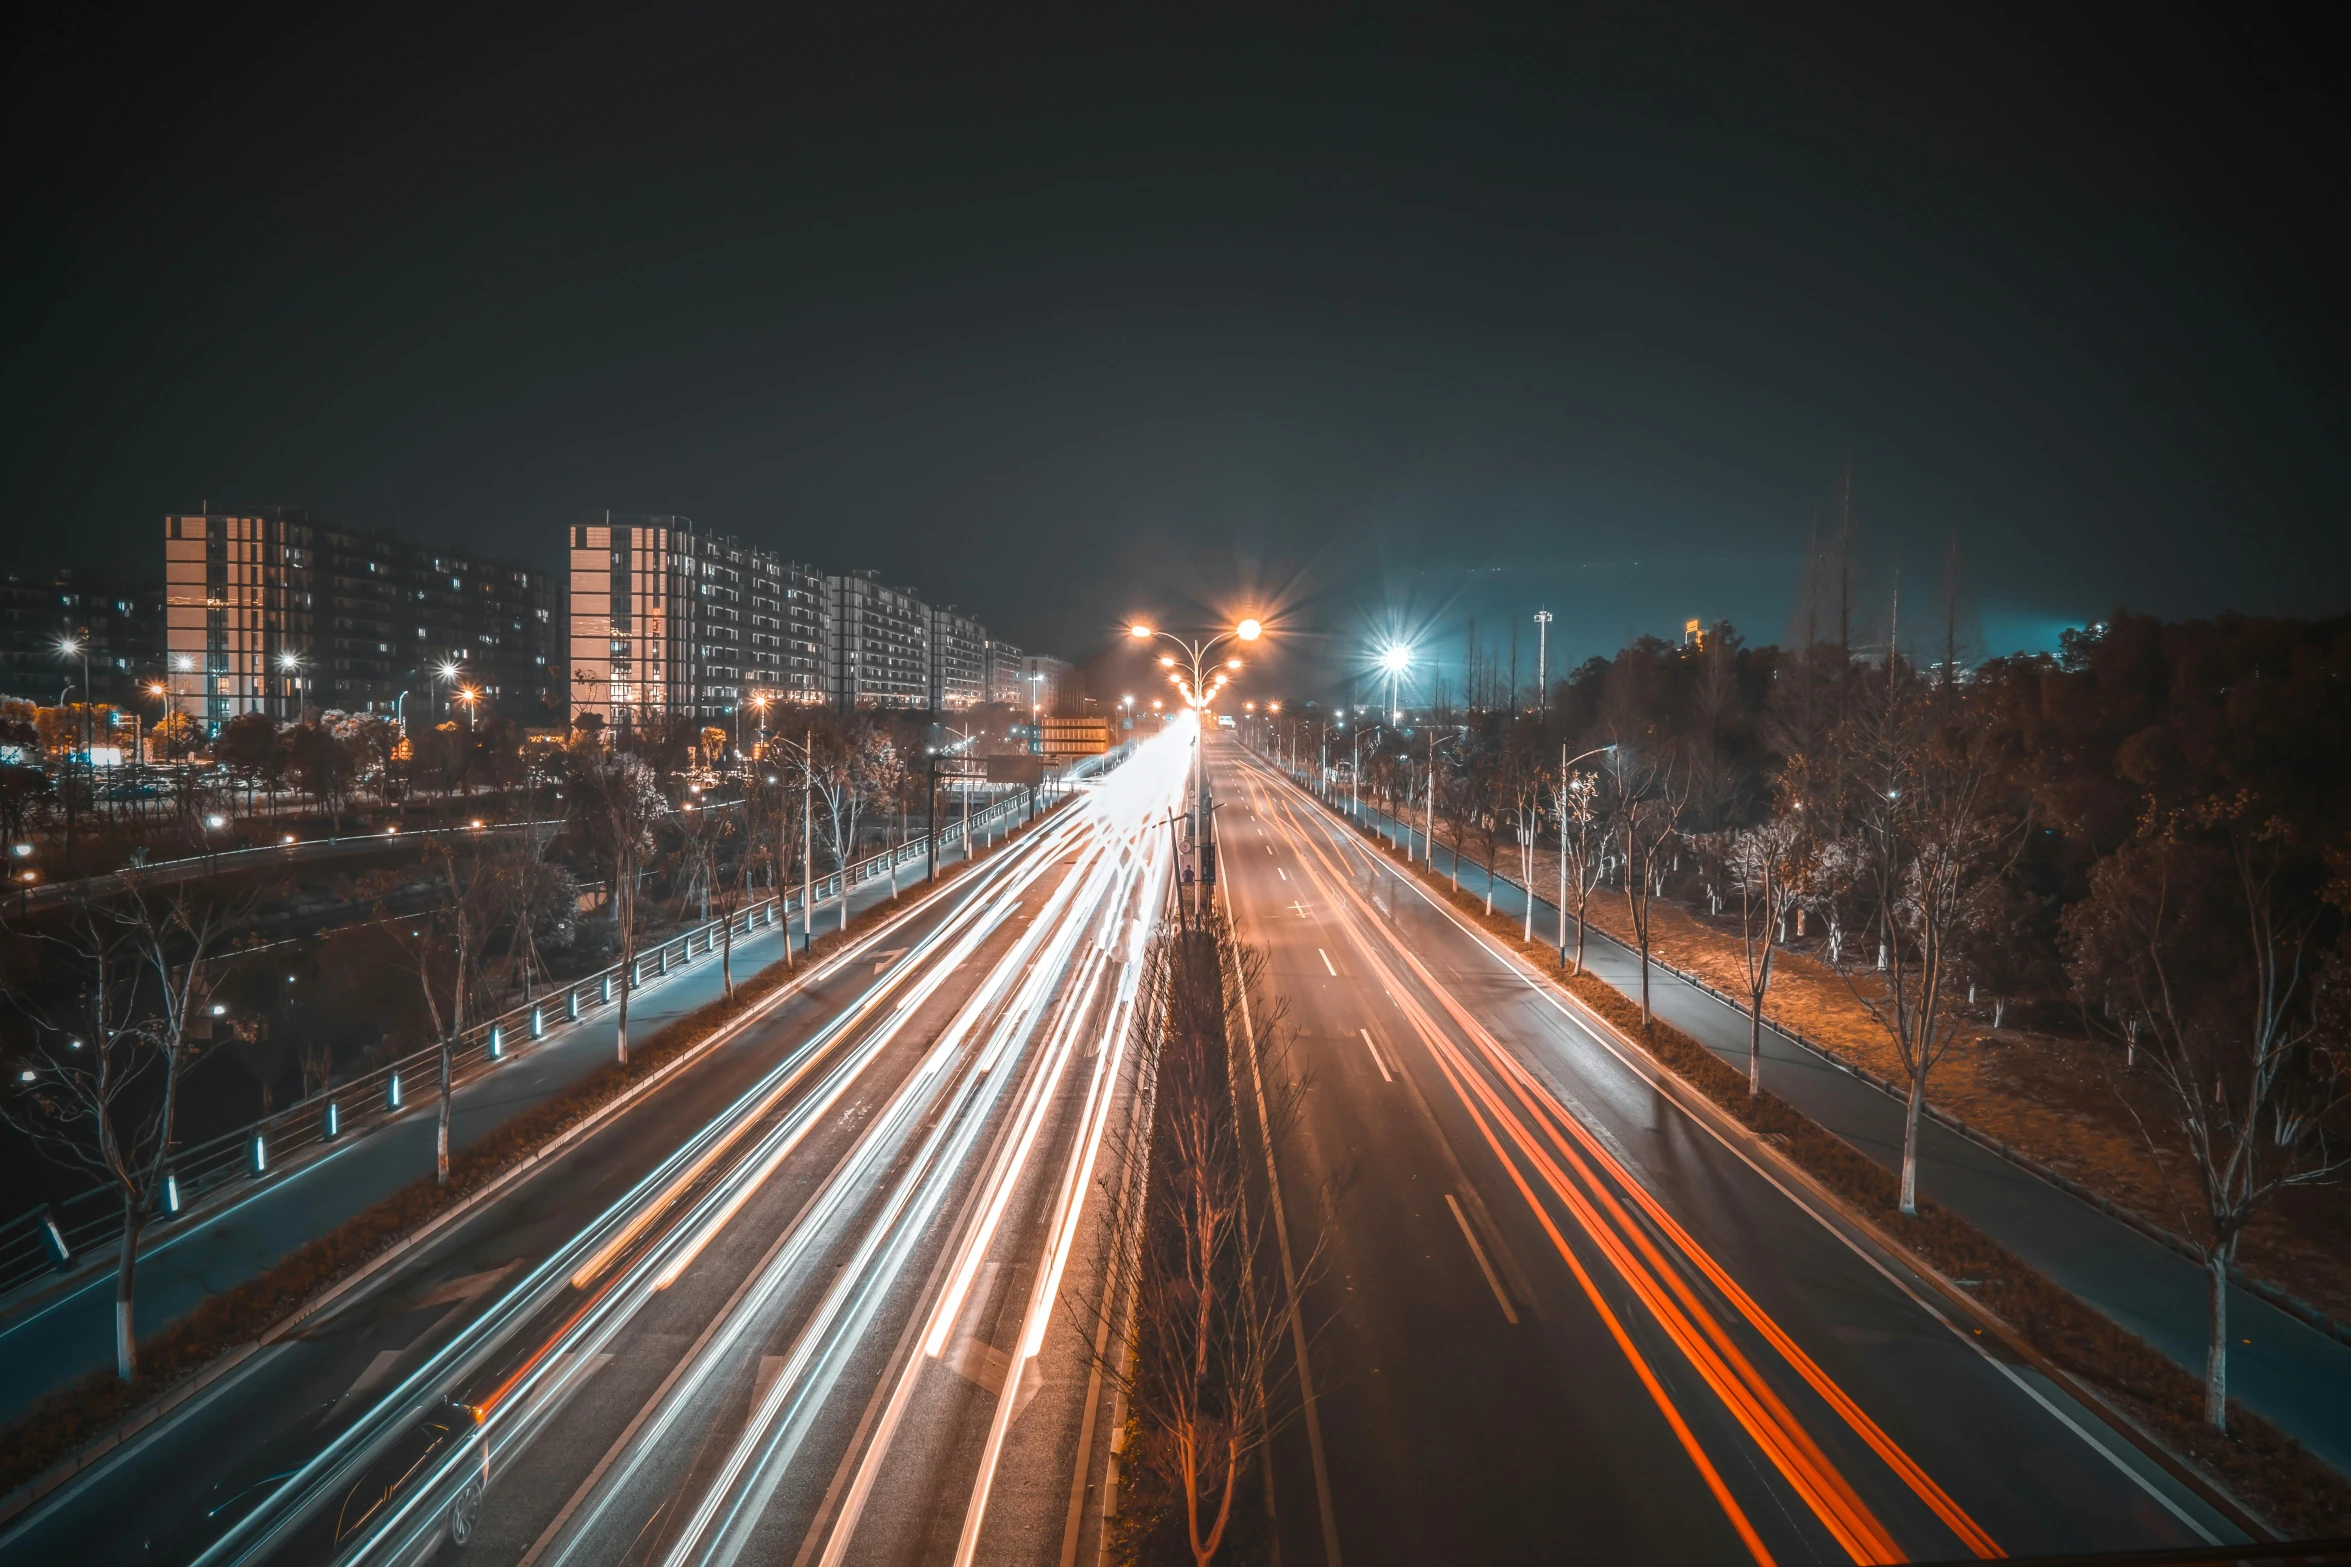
(42, 610)
(671, 621)
(789, 656)
(277, 611)
(1002, 675)
(959, 660)
(880, 643)
(1045, 682)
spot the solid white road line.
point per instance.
(1479, 1252)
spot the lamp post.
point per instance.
(77, 645)
(1542, 661)
(1394, 661)
(1197, 694)
(469, 696)
(807, 753)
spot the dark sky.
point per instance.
(1082, 313)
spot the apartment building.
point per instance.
(880, 643)
(1002, 674)
(672, 621)
(122, 619)
(959, 660)
(278, 611)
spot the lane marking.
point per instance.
(1375, 1055)
(1283, 874)
(375, 1371)
(1555, 1121)
(1484, 1267)
(1326, 961)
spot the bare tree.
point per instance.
(444, 947)
(2199, 942)
(1200, 1358)
(1583, 841)
(616, 803)
(1762, 861)
(99, 1090)
(1649, 803)
(1927, 838)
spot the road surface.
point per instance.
(2281, 1367)
(1561, 1317)
(800, 1303)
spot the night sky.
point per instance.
(1064, 317)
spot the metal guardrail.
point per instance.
(59, 1237)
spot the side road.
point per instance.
(49, 1339)
(2281, 1367)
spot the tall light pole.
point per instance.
(77, 645)
(1394, 660)
(1198, 693)
(1542, 657)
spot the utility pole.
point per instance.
(1542, 660)
(807, 846)
(930, 816)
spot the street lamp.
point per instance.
(469, 696)
(449, 671)
(1395, 660)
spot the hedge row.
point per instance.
(65, 1421)
(2254, 1460)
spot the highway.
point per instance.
(1559, 1315)
(54, 1333)
(2281, 1367)
(799, 1304)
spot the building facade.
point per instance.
(40, 611)
(673, 622)
(880, 643)
(1002, 674)
(959, 660)
(275, 612)
(1045, 683)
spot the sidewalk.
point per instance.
(2280, 1367)
(54, 1337)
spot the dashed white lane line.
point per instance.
(1375, 1055)
(1326, 961)
(1283, 874)
(1479, 1252)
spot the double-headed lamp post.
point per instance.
(1199, 692)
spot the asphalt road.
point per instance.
(2280, 1366)
(1558, 1317)
(708, 1329)
(50, 1337)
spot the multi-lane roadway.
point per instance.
(800, 1304)
(1560, 1314)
